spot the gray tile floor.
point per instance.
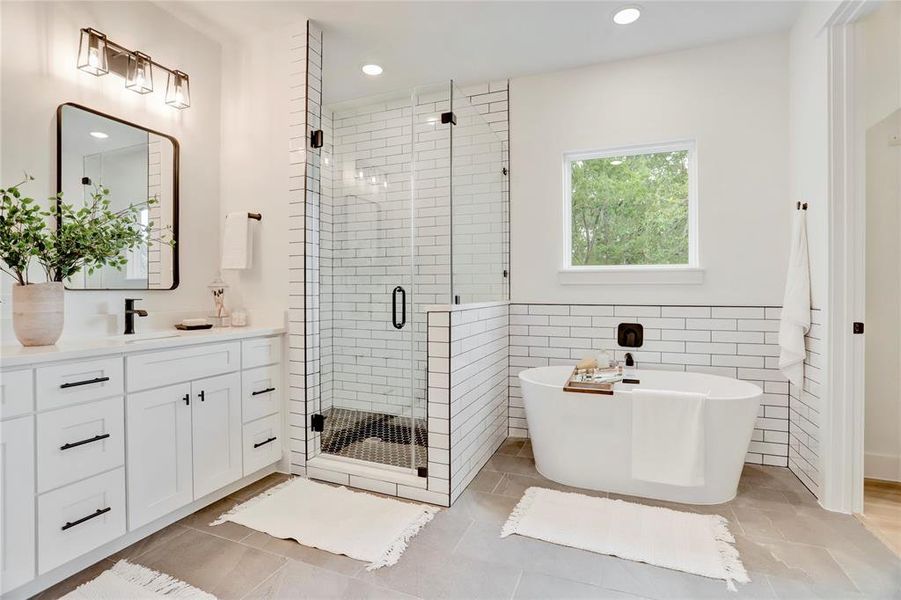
(791, 548)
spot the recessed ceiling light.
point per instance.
(99, 135)
(372, 69)
(627, 15)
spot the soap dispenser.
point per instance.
(630, 372)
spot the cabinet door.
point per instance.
(216, 423)
(16, 503)
(159, 452)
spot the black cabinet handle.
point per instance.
(269, 441)
(187, 399)
(403, 307)
(100, 511)
(266, 391)
(85, 382)
(202, 396)
(96, 438)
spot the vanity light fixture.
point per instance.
(92, 52)
(372, 69)
(99, 135)
(178, 90)
(98, 55)
(627, 15)
(139, 76)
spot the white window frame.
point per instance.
(618, 274)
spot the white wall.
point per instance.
(878, 88)
(254, 169)
(39, 49)
(731, 98)
(809, 135)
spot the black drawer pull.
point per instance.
(100, 511)
(85, 382)
(96, 438)
(266, 391)
(187, 399)
(202, 395)
(269, 441)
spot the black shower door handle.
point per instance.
(403, 307)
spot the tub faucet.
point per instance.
(130, 312)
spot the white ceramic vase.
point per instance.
(38, 311)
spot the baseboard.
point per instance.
(882, 466)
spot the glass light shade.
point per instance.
(92, 52)
(139, 76)
(178, 90)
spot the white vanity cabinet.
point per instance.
(159, 453)
(17, 542)
(99, 450)
(216, 428)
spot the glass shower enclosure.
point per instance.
(412, 214)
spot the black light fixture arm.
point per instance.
(120, 49)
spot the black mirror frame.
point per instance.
(175, 184)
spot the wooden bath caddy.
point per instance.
(595, 387)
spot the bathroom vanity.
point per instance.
(105, 441)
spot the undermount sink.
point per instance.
(146, 337)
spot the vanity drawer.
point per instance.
(80, 441)
(157, 369)
(68, 383)
(261, 392)
(261, 351)
(16, 393)
(80, 517)
(262, 443)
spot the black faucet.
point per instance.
(130, 312)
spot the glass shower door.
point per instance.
(367, 294)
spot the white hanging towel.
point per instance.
(668, 437)
(237, 241)
(795, 321)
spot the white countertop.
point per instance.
(67, 349)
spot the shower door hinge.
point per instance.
(422, 471)
(506, 273)
(317, 138)
(457, 299)
(858, 327)
(448, 117)
(317, 422)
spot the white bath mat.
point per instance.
(689, 542)
(127, 580)
(335, 519)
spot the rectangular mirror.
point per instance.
(135, 164)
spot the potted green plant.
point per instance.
(87, 237)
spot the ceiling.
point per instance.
(427, 42)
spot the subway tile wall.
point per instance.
(154, 190)
(468, 392)
(804, 410)
(739, 342)
(302, 199)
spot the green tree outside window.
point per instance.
(631, 210)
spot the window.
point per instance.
(631, 209)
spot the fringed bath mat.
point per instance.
(134, 582)
(335, 519)
(689, 542)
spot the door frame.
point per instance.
(843, 416)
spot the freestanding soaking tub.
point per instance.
(584, 440)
